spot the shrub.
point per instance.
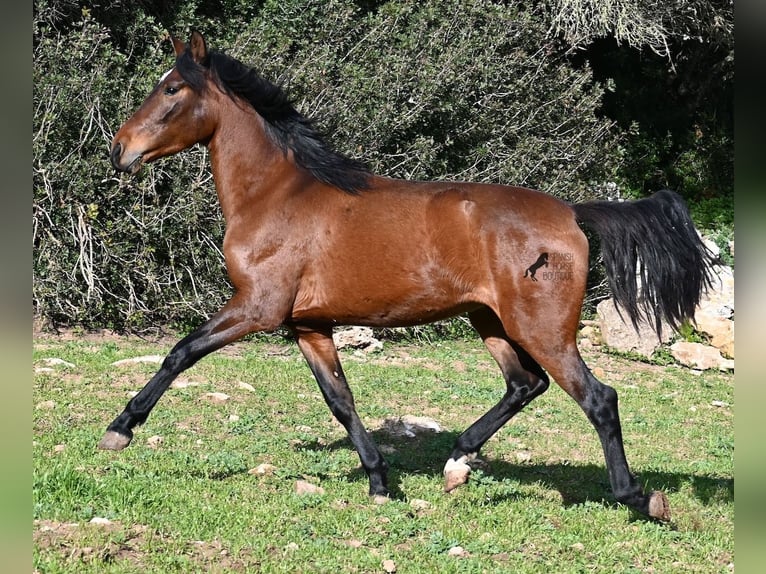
(431, 90)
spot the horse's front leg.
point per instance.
(319, 350)
(232, 322)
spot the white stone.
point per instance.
(100, 520)
(303, 487)
(357, 338)
(618, 332)
(458, 551)
(216, 397)
(157, 359)
(263, 469)
(699, 356)
(714, 313)
(55, 361)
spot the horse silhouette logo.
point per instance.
(542, 261)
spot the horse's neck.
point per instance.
(247, 166)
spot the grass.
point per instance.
(539, 503)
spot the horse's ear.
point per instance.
(198, 47)
(178, 45)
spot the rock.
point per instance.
(712, 246)
(55, 361)
(620, 334)
(100, 520)
(217, 398)
(263, 469)
(699, 356)
(713, 315)
(722, 288)
(357, 338)
(143, 359)
(420, 424)
(523, 456)
(720, 330)
(246, 387)
(303, 487)
(46, 405)
(418, 504)
(458, 551)
(599, 372)
(389, 566)
(183, 384)
(410, 426)
(590, 333)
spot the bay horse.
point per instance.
(314, 240)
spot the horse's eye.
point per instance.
(170, 90)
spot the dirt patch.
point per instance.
(112, 542)
(77, 543)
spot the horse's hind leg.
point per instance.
(524, 380)
(319, 350)
(599, 401)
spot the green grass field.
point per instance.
(181, 499)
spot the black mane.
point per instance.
(286, 126)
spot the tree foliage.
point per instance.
(546, 95)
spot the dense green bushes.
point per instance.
(483, 91)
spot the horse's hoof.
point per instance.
(456, 473)
(381, 499)
(113, 440)
(659, 507)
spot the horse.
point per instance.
(314, 240)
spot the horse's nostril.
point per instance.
(115, 155)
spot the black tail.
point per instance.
(656, 264)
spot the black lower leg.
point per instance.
(524, 379)
(322, 357)
(516, 398)
(187, 352)
(601, 406)
(214, 334)
(335, 391)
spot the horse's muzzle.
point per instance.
(117, 159)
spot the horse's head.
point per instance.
(174, 116)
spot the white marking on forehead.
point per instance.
(165, 75)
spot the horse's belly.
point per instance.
(381, 304)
